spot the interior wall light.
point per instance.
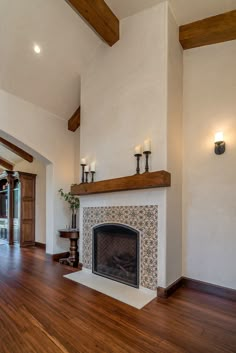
(219, 143)
(37, 49)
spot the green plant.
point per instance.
(72, 200)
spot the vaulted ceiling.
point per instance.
(185, 10)
(51, 79)
(9, 156)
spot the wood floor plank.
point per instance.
(43, 312)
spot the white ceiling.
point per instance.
(125, 8)
(185, 11)
(9, 156)
(51, 79)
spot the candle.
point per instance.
(137, 150)
(83, 161)
(147, 145)
(93, 167)
(86, 169)
(219, 137)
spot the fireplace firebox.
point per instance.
(116, 253)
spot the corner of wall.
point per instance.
(174, 151)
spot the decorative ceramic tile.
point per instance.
(142, 218)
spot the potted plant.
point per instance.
(74, 204)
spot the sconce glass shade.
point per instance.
(219, 137)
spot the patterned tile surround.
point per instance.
(142, 218)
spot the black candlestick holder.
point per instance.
(82, 179)
(138, 156)
(86, 177)
(92, 180)
(147, 153)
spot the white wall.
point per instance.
(77, 156)
(124, 97)
(38, 168)
(46, 136)
(174, 153)
(209, 180)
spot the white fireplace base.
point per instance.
(137, 298)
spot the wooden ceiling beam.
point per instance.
(100, 17)
(74, 121)
(212, 30)
(6, 164)
(17, 150)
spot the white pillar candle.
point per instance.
(93, 167)
(86, 169)
(147, 145)
(219, 137)
(138, 150)
(83, 161)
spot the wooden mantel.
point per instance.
(134, 182)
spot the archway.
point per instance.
(43, 214)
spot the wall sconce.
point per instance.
(219, 143)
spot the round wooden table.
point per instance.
(73, 236)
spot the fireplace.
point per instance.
(116, 253)
(143, 219)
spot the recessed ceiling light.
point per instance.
(37, 49)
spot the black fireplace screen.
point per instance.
(116, 253)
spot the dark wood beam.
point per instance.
(100, 17)
(212, 30)
(17, 150)
(6, 164)
(74, 121)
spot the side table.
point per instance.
(73, 236)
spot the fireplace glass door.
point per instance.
(116, 253)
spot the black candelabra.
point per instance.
(86, 177)
(138, 156)
(82, 178)
(92, 179)
(147, 153)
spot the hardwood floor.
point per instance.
(40, 311)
